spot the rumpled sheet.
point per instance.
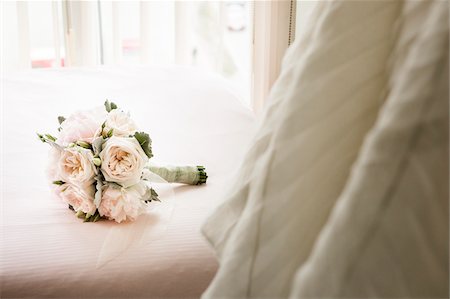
(192, 117)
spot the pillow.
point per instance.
(388, 236)
(331, 87)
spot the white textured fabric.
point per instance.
(388, 235)
(46, 251)
(328, 95)
(334, 80)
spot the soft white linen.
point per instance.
(388, 236)
(47, 252)
(325, 101)
(333, 82)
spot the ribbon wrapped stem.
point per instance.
(191, 175)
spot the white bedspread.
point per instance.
(46, 251)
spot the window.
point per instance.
(243, 41)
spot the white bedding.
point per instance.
(46, 251)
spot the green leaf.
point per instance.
(110, 106)
(145, 142)
(110, 133)
(80, 214)
(84, 144)
(50, 137)
(96, 217)
(87, 217)
(47, 138)
(154, 195)
(61, 119)
(107, 106)
(41, 137)
(59, 183)
(150, 195)
(97, 145)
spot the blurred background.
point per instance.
(242, 41)
(215, 36)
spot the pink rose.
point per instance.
(80, 198)
(121, 204)
(82, 126)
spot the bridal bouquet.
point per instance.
(100, 165)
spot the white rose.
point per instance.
(80, 198)
(120, 123)
(76, 166)
(120, 204)
(123, 161)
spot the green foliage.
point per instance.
(110, 106)
(151, 195)
(41, 137)
(84, 144)
(97, 145)
(145, 142)
(61, 119)
(154, 195)
(88, 217)
(110, 133)
(46, 138)
(50, 137)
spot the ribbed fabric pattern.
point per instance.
(388, 237)
(45, 251)
(333, 83)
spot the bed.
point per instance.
(192, 118)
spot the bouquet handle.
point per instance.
(190, 175)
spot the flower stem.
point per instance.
(203, 176)
(191, 175)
